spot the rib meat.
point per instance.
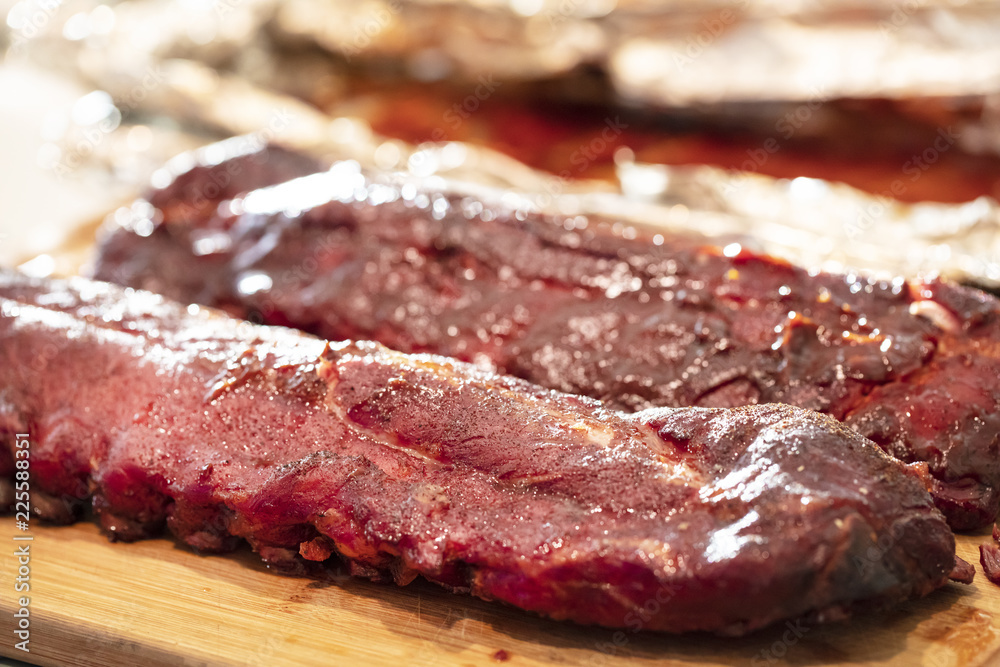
(220, 430)
(989, 558)
(587, 306)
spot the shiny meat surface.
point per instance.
(407, 465)
(589, 307)
(989, 558)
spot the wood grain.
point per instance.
(153, 603)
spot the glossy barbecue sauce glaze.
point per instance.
(630, 316)
(165, 415)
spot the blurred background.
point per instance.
(840, 134)
(37, 208)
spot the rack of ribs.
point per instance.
(165, 415)
(632, 316)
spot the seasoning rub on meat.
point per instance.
(586, 306)
(164, 415)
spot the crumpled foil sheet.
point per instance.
(681, 52)
(832, 226)
(673, 53)
(170, 86)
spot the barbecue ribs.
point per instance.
(406, 465)
(588, 306)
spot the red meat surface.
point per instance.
(165, 415)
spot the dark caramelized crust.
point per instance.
(402, 465)
(989, 558)
(594, 308)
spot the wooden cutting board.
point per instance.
(153, 603)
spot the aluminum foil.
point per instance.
(678, 52)
(673, 53)
(831, 226)
(935, 49)
(195, 83)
